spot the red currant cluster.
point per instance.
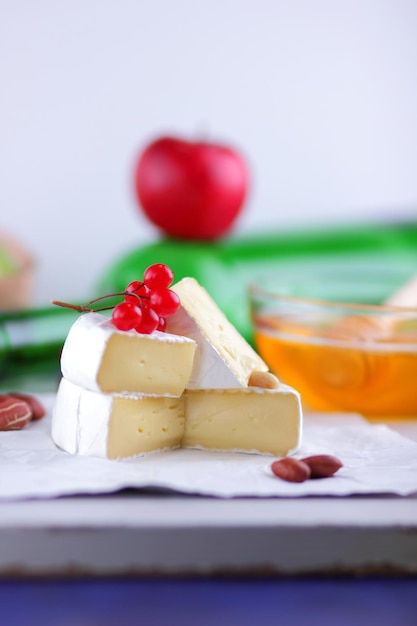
(147, 303)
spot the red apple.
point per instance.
(191, 190)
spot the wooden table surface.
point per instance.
(156, 558)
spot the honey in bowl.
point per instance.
(345, 356)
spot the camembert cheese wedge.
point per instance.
(265, 421)
(115, 426)
(99, 357)
(223, 359)
(198, 385)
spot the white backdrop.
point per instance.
(320, 95)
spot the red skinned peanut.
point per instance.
(292, 470)
(14, 413)
(323, 465)
(38, 410)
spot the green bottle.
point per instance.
(30, 347)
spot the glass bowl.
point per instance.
(328, 333)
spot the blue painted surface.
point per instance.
(203, 602)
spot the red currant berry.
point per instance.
(165, 302)
(126, 315)
(158, 276)
(140, 289)
(148, 322)
(162, 324)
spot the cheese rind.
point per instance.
(255, 420)
(99, 357)
(115, 426)
(224, 359)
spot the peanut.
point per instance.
(14, 413)
(292, 470)
(322, 465)
(38, 410)
(265, 380)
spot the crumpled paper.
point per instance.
(376, 460)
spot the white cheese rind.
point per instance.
(80, 420)
(92, 335)
(252, 420)
(114, 426)
(223, 359)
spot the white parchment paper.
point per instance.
(376, 460)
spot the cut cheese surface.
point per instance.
(115, 426)
(223, 358)
(258, 420)
(99, 357)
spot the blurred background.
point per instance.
(320, 96)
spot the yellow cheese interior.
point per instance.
(242, 419)
(144, 424)
(144, 365)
